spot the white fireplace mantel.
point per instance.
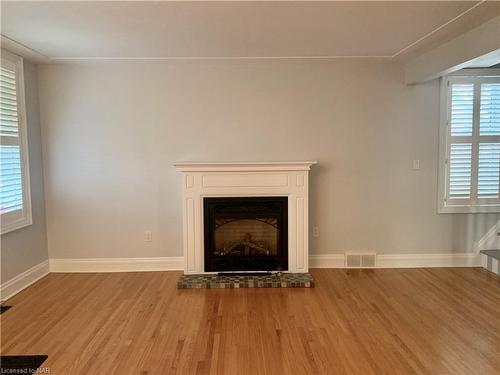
(245, 179)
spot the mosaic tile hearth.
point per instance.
(285, 280)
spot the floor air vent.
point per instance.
(360, 260)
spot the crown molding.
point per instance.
(409, 46)
(22, 50)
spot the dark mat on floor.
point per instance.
(26, 363)
(4, 309)
(285, 280)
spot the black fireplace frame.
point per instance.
(276, 207)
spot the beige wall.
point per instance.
(27, 247)
(112, 131)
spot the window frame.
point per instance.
(470, 205)
(18, 219)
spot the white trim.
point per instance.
(402, 260)
(477, 72)
(93, 59)
(443, 131)
(427, 260)
(242, 166)
(117, 264)
(327, 261)
(21, 218)
(23, 280)
(22, 50)
(468, 209)
(437, 29)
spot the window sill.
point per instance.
(469, 209)
(10, 227)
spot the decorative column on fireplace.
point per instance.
(245, 216)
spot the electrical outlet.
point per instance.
(315, 231)
(416, 165)
(148, 236)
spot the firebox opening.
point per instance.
(246, 234)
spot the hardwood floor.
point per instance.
(402, 321)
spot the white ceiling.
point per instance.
(83, 30)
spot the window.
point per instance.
(15, 201)
(470, 144)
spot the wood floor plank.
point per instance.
(399, 321)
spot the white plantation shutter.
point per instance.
(462, 101)
(472, 159)
(489, 118)
(489, 153)
(460, 170)
(488, 170)
(11, 196)
(15, 208)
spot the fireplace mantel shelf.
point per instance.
(243, 166)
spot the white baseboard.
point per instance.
(315, 261)
(117, 264)
(401, 260)
(23, 280)
(326, 261)
(428, 260)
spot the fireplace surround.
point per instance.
(276, 193)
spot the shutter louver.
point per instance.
(460, 170)
(488, 170)
(11, 189)
(462, 104)
(489, 119)
(8, 104)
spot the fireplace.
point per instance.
(286, 238)
(246, 234)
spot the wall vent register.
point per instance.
(360, 260)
